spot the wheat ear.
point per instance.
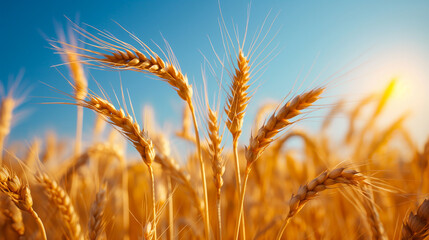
(6, 110)
(372, 215)
(80, 85)
(314, 187)
(238, 99)
(126, 57)
(125, 124)
(171, 167)
(218, 163)
(416, 226)
(11, 212)
(236, 105)
(62, 201)
(108, 149)
(277, 122)
(20, 194)
(96, 221)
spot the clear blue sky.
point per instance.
(392, 36)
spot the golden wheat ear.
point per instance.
(62, 201)
(108, 51)
(416, 226)
(238, 99)
(97, 223)
(266, 134)
(13, 215)
(129, 128)
(125, 125)
(312, 189)
(279, 121)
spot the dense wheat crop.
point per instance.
(371, 182)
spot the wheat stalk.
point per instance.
(218, 163)
(20, 194)
(269, 130)
(235, 109)
(314, 187)
(80, 86)
(131, 130)
(7, 106)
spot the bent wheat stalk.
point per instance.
(121, 55)
(20, 194)
(277, 122)
(314, 187)
(126, 125)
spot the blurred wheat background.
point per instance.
(214, 120)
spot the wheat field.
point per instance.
(370, 183)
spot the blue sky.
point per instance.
(374, 40)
